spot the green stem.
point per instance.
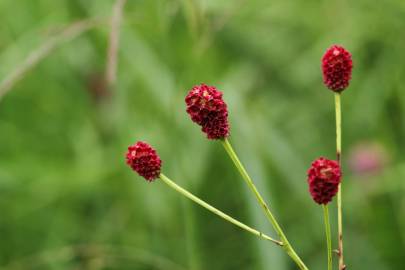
(287, 246)
(328, 235)
(214, 210)
(339, 194)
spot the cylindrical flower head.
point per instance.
(323, 179)
(207, 108)
(337, 67)
(143, 159)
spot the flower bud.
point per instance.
(143, 159)
(323, 179)
(337, 68)
(207, 108)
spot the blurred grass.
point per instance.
(68, 201)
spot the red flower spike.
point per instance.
(143, 159)
(337, 67)
(207, 108)
(323, 179)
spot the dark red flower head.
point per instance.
(207, 108)
(323, 179)
(337, 67)
(143, 159)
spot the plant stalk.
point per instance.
(328, 235)
(338, 111)
(214, 210)
(287, 246)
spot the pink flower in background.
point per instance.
(367, 158)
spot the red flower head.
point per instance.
(337, 67)
(207, 108)
(323, 179)
(143, 159)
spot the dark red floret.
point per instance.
(143, 159)
(337, 67)
(324, 177)
(207, 108)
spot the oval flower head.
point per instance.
(323, 179)
(337, 67)
(143, 159)
(207, 108)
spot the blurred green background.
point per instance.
(67, 199)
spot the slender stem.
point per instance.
(214, 210)
(287, 246)
(338, 127)
(328, 235)
(342, 266)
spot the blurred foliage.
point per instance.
(67, 199)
